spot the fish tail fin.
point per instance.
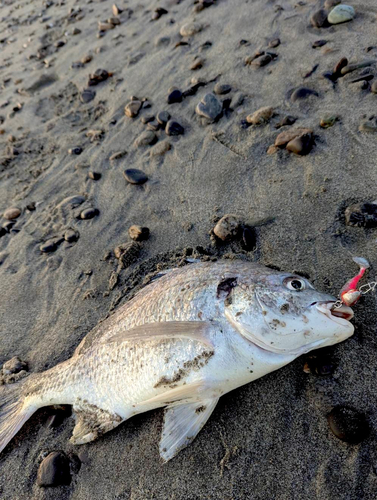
(14, 411)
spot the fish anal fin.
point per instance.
(182, 422)
(190, 330)
(91, 423)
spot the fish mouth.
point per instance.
(341, 315)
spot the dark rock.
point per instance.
(7, 226)
(301, 145)
(175, 96)
(89, 213)
(249, 238)
(174, 128)
(54, 470)
(319, 43)
(319, 19)
(193, 90)
(158, 13)
(222, 88)
(100, 75)
(163, 117)
(87, 95)
(71, 235)
(364, 76)
(339, 66)
(361, 215)
(50, 245)
(329, 75)
(353, 67)
(262, 60)
(75, 151)
(95, 176)
(287, 120)
(31, 206)
(3, 231)
(209, 107)
(135, 176)
(302, 93)
(348, 424)
(138, 233)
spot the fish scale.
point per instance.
(184, 340)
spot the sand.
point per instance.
(268, 440)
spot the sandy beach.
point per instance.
(66, 142)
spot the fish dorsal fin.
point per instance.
(191, 330)
(182, 423)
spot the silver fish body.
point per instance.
(187, 338)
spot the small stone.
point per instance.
(127, 253)
(174, 96)
(114, 20)
(14, 365)
(12, 213)
(319, 43)
(174, 128)
(75, 151)
(89, 213)
(135, 176)
(374, 87)
(209, 107)
(329, 75)
(302, 93)
(249, 238)
(197, 64)
(132, 108)
(138, 233)
(105, 26)
(160, 148)
(227, 228)
(153, 125)
(158, 13)
(118, 155)
(274, 43)
(341, 14)
(301, 145)
(95, 176)
(339, 66)
(361, 215)
(50, 245)
(146, 138)
(100, 75)
(354, 67)
(162, 41)
(71, 235)
(237, 100)
(87, 95)
(222, 89)
(286, 121)
(190, 29)
(262, 60)
(368, 126)
(146, 119)
(272, 150)
(348, 424)
(328, 121)
(76, 31)
(163, 117)
(319, 19)
(261, 116)
(54, 470)
(329, 4)
(364, 76)
(288, 135)
(116, 10)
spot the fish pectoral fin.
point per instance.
(182, 422)
(91, 423)
(190, 330)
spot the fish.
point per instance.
(187, 338)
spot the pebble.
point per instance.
(262, 60)
(363, 76)
(301, 145)
(175, 96)
(190, 29)
(319, 18)
(341, 14)
(114, 20)
(361, 215)
(132, 108)
(95, 176)
(118, 155)
(158, 13)
(353, 67)
(54, 470)
(71, 235)
(146, 138)
(227, 227)
(348, 424)
(116, 10)
(222, 89)
(374, 87)
(12, 213)
(103, 26)
(138, 233)
(75, 151)
(146, 119)
(153, 125)
(342, 63)
(274, 43)
(197, 64)
(328, 121)
(127, 253)
(174, 128)
(319, 43)
(14, 365)
(100, 75)
(368, 126)
(50, 245)
(329, 4)
(89, 213)
(288, 135)
(135, 176)
(87, 95)
(209, 107)
(261, 116)
(163, 117)
(160, 148)
(287, 120)
(302, 93)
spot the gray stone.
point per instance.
(209, 107)
(341, 14)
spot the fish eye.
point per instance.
(295, 284)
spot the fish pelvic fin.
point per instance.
(182, 422)
(14, 411)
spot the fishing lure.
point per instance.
(349, 294)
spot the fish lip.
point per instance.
(326, 308)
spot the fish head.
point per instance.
(284, 313)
